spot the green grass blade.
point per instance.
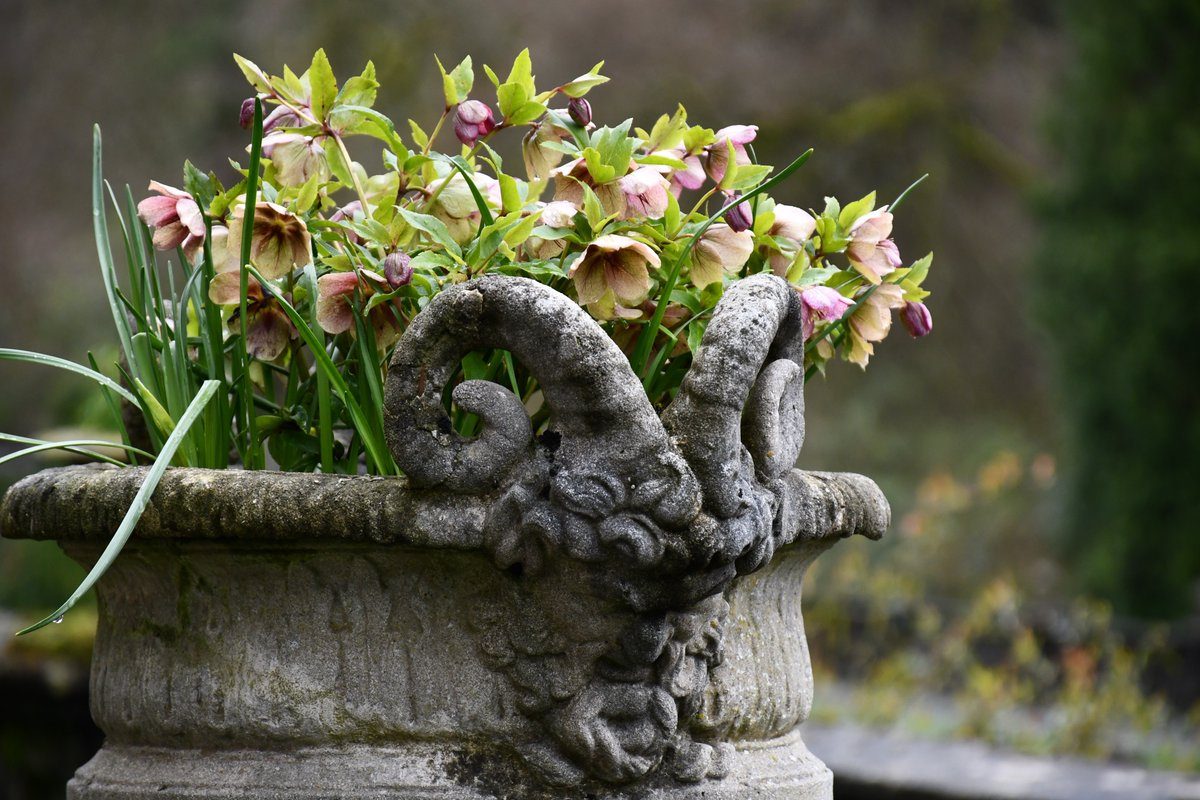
(9, 354)
(904, 194)
(103, 248)
(253, 450)
(376, 450)
(77, 446)
(140, 501)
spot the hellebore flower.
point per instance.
(871, 252)
(175, 217)
(397, 269)
(720, 249)
(558, 214)
(820, 304)
(740, 217)
(917, 319)
(570, 178)
(268, 328)
(279, 244)
(348, 212)
(296, 157)
(691, 176)
(539, 160)
(280, 117)
(246, 115)
(872, 321)
(792, 227)
(717, 160)
(455, 205)
(472, 121)
(645, 193)
(335, 314)
(580, 111)
(616, 263)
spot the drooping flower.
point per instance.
(268, 328)
(279, 244)
(175, 217)
(472, 121)
(645, 194)
(872, 321)
(540, 160)
(280, 117)
(336, 315)
(614, 263)
(821, 304)
(691, 176)
(792, 227)
(455, 204)
(917, 319)
(720, 249)
(870, 251)
(717, 154)
(296, 157)
(558, 214)
(570, 178)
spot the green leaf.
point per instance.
(522, 72)
(854, 210)
(510, 195)
(919, 270)
(526, 113)
(510, 97)
(600, 171)
(435, 228)
(456, 84)
(748, 176)
(9, 354)
(585, 83)
(323, 84)
(158, 414)
(258, 79)
(77, 446)
(360, 90)
(137, 507)
(198, 185)
(900, 199)
(420, 137)
(491, 76)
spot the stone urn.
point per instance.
(607, 608)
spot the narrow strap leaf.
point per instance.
(10, 354)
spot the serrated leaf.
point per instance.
(747, 176)
(510, 97)
(257, 78)
(308, 194)
(600, 171)
(920, 269)
(418, 133)
(585, 83)
(435, 228)
(360, 90)
(510, 195)
(457, 83)
(522, 72)
(526, 113)
(852, 211)
(322, 84)
(491, 76)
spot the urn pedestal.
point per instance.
(609, 609)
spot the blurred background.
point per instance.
(1041, 585)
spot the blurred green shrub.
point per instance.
(1113, 285)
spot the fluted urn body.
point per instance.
(608, 607)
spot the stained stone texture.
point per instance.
(610, 609)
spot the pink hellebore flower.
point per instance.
(645, 193)
(268, 328)
(721, 249)
(821, 304)
(456, 207)
(691, 176)
(279, 244)
(794, 226)
(917, 319)
(472, 121)
(539, 160)
(614, 263)
(718, 152)
(175, 217)
(872, 321)
(558, 214)
(871, 252)
(335, 314)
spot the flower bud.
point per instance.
(397, 269)
(580, 111)
(739, 218)
(917, 319)
(246, 117)
(472, 121)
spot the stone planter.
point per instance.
(608, 610)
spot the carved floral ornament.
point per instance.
(621, 530)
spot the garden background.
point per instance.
(1041, 584)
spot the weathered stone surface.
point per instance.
(609, 609)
